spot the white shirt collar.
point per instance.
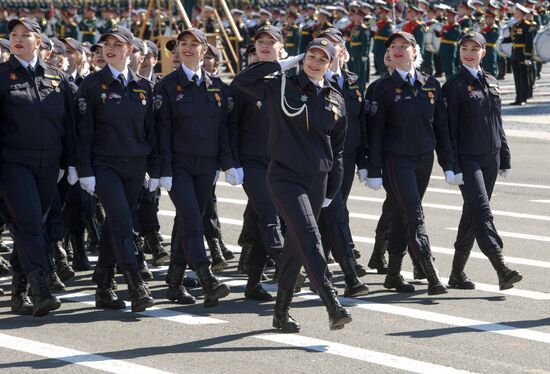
(474, 72)
(318, 84)
(190, 73)
(26, 64)
(116, 73)
(404, 73)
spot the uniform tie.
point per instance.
(481, 79)
(336, 79)
(409, 79)
(195, 79)
(31, 71)
(121, 79)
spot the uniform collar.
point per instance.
(189, 73)
(467, 74)
(15, 63)
(403, 74)
(304, 82)
(25, 64)
(115, 73)
(473, 72)
(108, 75)
(399, 81)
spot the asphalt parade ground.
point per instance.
(479, 331)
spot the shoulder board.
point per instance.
(138, 91)
(52, 76)
(527, 22)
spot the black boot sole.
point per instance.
(113, 306)
(221, 291)
(360, 290)
(258, 296)
(228, 255)
(286, 328)
(462, 286)
(219, 266)
(438, 289)
(162, 260)
(44, 307)
(509, 283)
(143, 304)
(182, 299)
(340, 320)
(23, 311)
(400, 288)
(380, 269)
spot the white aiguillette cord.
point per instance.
(285, 106)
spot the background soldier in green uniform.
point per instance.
(449, 37)
(359, 48)
(293, 34)
(384, 29)
(88, 26)
(491, 33)
(68, 28)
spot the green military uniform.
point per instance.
(293, 39)
(466, 23)
(385, 29)
(418, 33)
(489, 62)
(68, 29)
(359, 50)
(447, 50)
(4, 28)
(88, 29)
(521, 37)
(307, 33)
(428, 57)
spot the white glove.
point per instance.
(450, 177)
(374, 183)
(60, 175)
(459, 179)
(505, 173)
(153, 184)
(240, 171)
(88, 184)
(290, 62)
(364, 58)
(232, 177)
(326, 202)
(362, 174)
(528, 62)
(216, 177)
(72, 176)
(166, 182)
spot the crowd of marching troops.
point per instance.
(90, 133)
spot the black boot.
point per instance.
(218, 262)
(160, 255)
(213, 290)
(3, 247)
(254, 289)
(54, 283)
(359, 269)
(418, 271)
(435, 287)
(506, 276)
(354, 287)
(176, 290)
(20, 302)
(139, 293)
(226, 252)
(377, 260)
(105, 296)
(80, 259)
(458, 278)
(394, 279)
(281, 317)
(338, 316)
(243, 259)
(4, 267)
(68, 247)
(42, 300)
(142, 264)
(64, 270)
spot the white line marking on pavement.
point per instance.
(167, 314)
(445, 190)
(515, 235)
(534, 295)
(447, 251)
(540, 201)
(73, 356)
(342, 350)
(495, 328)
(508, 184)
